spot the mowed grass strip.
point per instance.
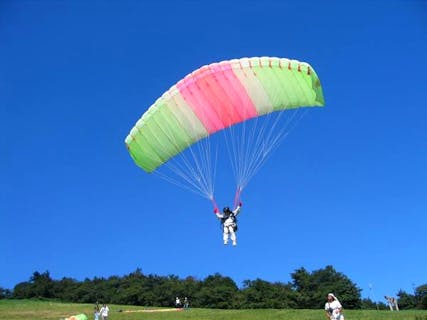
(48, 310)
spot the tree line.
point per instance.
(307, 290)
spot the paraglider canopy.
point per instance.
(81, 316)
(217, 98)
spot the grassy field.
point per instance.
(38, 310)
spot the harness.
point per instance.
(233, 224)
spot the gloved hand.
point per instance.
(216, 210)
(240, 204)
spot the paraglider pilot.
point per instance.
(228, 222)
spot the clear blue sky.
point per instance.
(348, 188)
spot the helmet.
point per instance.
(226, 210)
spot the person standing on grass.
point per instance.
(186, 303)
(333, 308)
(96, 313)
(104, 312)
(177, 302)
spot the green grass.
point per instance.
(46, 310)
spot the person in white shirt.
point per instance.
(229, 223)
(333, 308)
(104, 312)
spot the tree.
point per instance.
(131, 288)
(65, 288)
(5, 293)
(405, 300)
(259, 294)
(307, 290)
(421, 296)
(256, 293)
(190, 287)
(218, 292)
(42, 285)
(368, 304)
(303, 287)
(22, 291)
(312, 288)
